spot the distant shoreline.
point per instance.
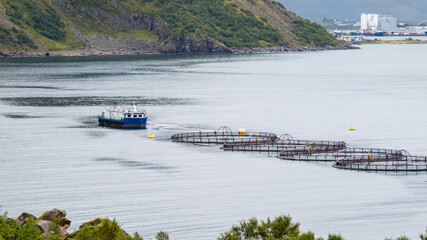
(392, 42)
(82, 53)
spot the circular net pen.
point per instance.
(285, 144)
(332, 154)
(223, 135)
(402, 162)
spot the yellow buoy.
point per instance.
(352, 128)
(241, 131)
(151, 136)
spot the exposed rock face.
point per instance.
(64, 224)
(189, 45)
(45, 227)
(54, 220)
(53, 214)
(48, 228)
(152, 24)
(93, 223)
(122, 21)
(23, 216)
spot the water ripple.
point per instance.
(92, 101)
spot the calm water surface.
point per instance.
(53, 155)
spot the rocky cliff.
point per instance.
(80, 27)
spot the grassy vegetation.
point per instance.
(216, 19)
(312, 34)
(86, 18)
(41, 18)
(223, 21)
(213, 18)
(14, 39)
(134, 5)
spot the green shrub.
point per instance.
(15, 39)
(10, 230)
(214, 18)
(107, 230)
(312, 34)
(281, 228)
(162, 236)
(335, 237)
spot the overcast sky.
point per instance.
(404, 10)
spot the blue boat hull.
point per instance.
(129, 123)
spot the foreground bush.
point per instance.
(28, 227)
(105, 230)
(52, 225)
(11, 230)
(281, 228)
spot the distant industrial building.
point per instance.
(387, 23)
(374, 22)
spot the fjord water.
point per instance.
(53, 154)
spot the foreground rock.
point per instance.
(53, 224)
(95, 222)
(53, 214)
(21, 219)
(49, 223)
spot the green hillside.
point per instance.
(173, 26)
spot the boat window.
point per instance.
(140, 115)
(135, 115)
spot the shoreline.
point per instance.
(88, 52)
(411, 42)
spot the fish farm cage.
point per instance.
(386, 163)
(224, 135)
(285, 147)
(302, 146)
(332, 156)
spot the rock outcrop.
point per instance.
(95, 222)
(22, 218)
(53, 214)
(50, 223)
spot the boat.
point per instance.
(123, 117)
